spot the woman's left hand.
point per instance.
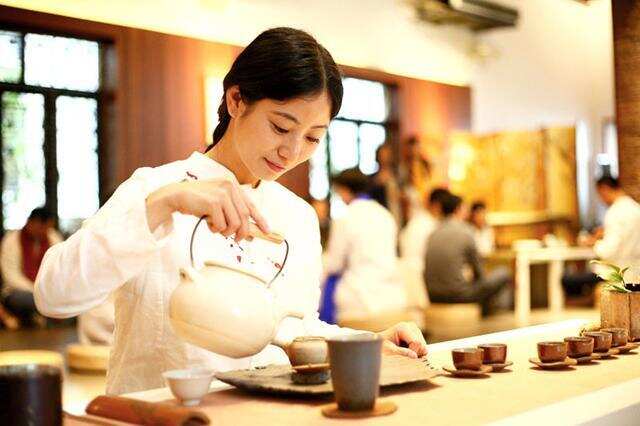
(404, 334)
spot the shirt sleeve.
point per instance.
(608, 246)
(335, 258)
(110, 249)
(11, 264)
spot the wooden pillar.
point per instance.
(626, 41)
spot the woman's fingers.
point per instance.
(390, 348)
(412, 336)
(255, 214)
(409, 334)
(216, 219)
(231, 215)
(243, 212)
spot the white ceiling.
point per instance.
(378, 34)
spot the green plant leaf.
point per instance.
(606, 264)
(616, 277)
(616, 288)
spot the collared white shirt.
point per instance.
(485, 239)
(414, 237)
(115, 251)
(621, 241)
(362, 247)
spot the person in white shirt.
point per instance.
(362, 249)
(21, 254)
(279, 97)
(618, 242)
(482, 232)
(415, 235)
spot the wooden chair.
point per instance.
(88, 357)
(32, 357)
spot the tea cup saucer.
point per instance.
(568, 362)
(628, 347)
(586, 358)
(484, 369)
(310, 368)
(607, 355)
(499, 366)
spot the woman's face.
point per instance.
(272, 137)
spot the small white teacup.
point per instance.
(189, 386)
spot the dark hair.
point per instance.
(353, 179)
(438, 195)
(450, 204)
(381, 148)
(478, 205)
(281, 64)
(42, 214)
(609, 181)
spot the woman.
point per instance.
(21, 254)
(362, 249)
(279, 96)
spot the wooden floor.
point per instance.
(79, 388)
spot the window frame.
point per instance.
(50, 96)
(391, 126)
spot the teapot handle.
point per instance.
(254, 232)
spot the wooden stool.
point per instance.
(451, 314)
(32, 357)
(377, 323)
(88, 357)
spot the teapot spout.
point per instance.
(283, 312)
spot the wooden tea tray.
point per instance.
(276, 379)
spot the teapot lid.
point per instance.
(235, 269)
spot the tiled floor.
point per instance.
(79, 388)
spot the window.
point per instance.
(49, 127)
(362, 125)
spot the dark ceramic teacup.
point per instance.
(307, 350)
(578, 347)
(467, 358)
(552, 351)
(31, 395)
(619, 336)
(355, 370)
(494, 353)
(601, 340)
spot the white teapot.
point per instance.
(227, 310)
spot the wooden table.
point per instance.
(602, 393)
(554, 257)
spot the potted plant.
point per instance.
(620, 301)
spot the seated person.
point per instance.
(618, 242)
(414, 236)
(451, 251)
(482, 232)
(21, 253)
(362, 249)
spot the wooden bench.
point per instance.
(88, 357)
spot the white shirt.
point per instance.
(13, 276)
(362, 246)
(621, 241)
(485, 240)
(414, 236)
(114, 251)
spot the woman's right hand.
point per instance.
(227, 208)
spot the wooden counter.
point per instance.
(598, 392)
